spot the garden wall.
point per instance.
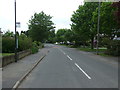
(9, 59)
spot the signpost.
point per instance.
(17, 24)
(15, 35)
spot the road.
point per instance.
(65, 67)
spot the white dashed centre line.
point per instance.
(76, 65)
(65, 54)
(83, 71)
(62, 51)
(69, 57)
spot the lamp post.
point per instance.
(15, 35)
(98, 27)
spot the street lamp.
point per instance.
(98, 27)
(15, 35)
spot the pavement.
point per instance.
(14, 71)
(65, 67)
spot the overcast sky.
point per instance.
(61, 10)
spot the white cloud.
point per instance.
(61, 10)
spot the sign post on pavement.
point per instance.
(17, 24)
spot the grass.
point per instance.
(88, 49)
(101, 50)
(70, 46)
(92, 50)
(6, 54)
(105, 55)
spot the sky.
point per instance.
(61, 10)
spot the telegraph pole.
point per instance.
(15, 35)
(98, 27)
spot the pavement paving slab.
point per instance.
(14, 71)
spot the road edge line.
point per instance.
(26, 74)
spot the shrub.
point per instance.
(24, 42)
(39, 44)
(8, 45)
(113, 48)
(34, 48)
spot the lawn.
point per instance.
(6, 54)
(92, 50)
(101, 51)
(88, 49)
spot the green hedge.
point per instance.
(24, 42)
(113, 48)
(8, 45)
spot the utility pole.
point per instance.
(15, 35)
(98, 27)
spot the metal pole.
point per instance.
(98, 27)
(15, 35)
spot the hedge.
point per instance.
(113, 48)
(8, 44)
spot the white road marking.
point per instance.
(69, 57)
(62, 51)
(83, 71)
(65, 54)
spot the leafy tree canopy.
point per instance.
(39, 26)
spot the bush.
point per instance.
(39, 44)
(24, 42)
(34, 48)
(113, 48)
(8, 45)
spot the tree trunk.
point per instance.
(92, 43)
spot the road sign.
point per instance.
(18, 24)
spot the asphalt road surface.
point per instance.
(65, 67)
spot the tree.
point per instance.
(117, 12)
(39, 26)
(108, 26)
(117, 16)
(51, 37)
(82, 24)
(69, 35)
(60, 35)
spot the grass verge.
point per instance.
(92, 50)
(87, 49)
(6, 54)
(105, 55)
